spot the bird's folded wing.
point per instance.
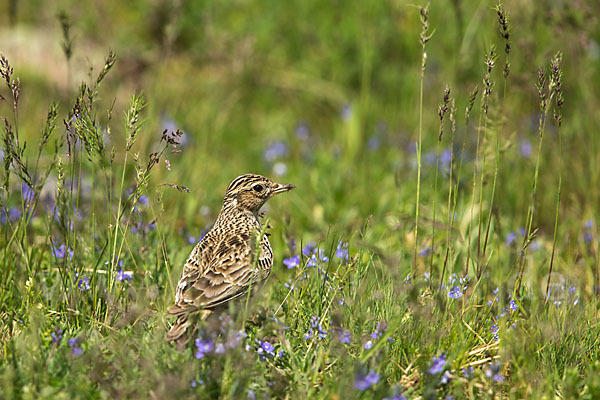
(224, 271)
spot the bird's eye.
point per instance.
(257, 188)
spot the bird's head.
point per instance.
(250, 192)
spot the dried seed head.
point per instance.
(443, 107)
(469, 107)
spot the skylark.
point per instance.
(227, 261)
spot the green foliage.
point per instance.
(465, 266)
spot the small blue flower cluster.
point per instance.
(316, 329)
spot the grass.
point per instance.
(465, 265)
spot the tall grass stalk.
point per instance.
(442, 109)
(450, 223)
(546, 97)
(556, 88)
(423, 38)
(504, 29)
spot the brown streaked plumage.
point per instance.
(223, 266)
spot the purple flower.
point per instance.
(525, 148)
(344, 336)
(75, 349)
(381, 328)
(12, 215)
(445, 378)
(368, 345)
(235, 339)
(27, 192)
(290, 285)
(315, 327)
(494, 372)
(510, 238)
(143, 200)
(437, 364)
(191, 240)
(426, 251)
(309, 248)
(203, 347)
(292, 262)
(302, 131)
(513, 305)
(494, 329)
(84, 284)
(374, 143)
(455, 292)
(364, 382)
(124, 275)
(445, 158)
(61, 251)
(265, 348)
(219, 348)
(317, 256)
(467, 372)
(275, 151)
(587, 237)
(572, 289)
(346, 112)
(589, 224)
(342, 251)
(57, 335)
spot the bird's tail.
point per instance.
(179, 331)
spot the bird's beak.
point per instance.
(282, 187)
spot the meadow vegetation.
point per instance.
(442, 241)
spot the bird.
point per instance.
(233, 256)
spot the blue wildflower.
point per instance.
(437, 364)
(265, 348)
(346, 112)
(513, 305)
(368, 345)
(494, 372)
(445, 160)
(124, 275)
(10, 215)
(315, 327)
(374, 143)
(292, 262)
(342, 251)
(143, 200)
(511, 238)
(455, 292)
(494, 329)
(525, 148)
(57, 335)
(75, 349)
(27, 193)
(309, 248)
(468, 372)
(445, 378)
(426, 251)
(191, 240)
(363, 382)
(61, 251)
(84, 284)
(275, 151)
(344, 336)
(203, 347)
(302, 131)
